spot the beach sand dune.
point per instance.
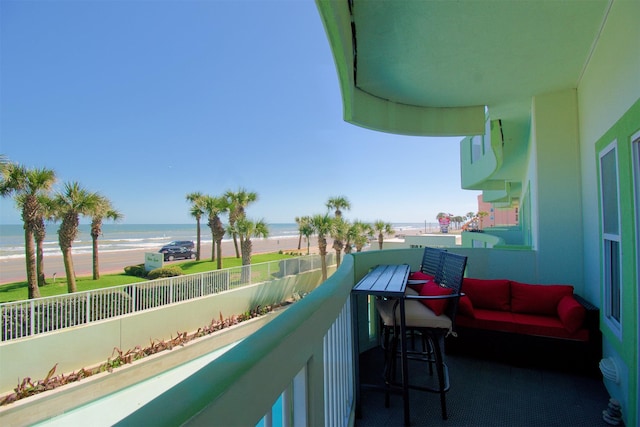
(14, 270)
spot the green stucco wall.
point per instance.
(608, 95)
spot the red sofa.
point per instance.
(527, 324)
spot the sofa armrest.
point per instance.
(592, 318)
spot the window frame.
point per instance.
(612, 314)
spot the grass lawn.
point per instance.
(18, 291)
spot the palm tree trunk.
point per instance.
(213, 244)
(39, 234)
(198, 239)
(322, 246)
(69, 271)
(219, 246)
(235, 244)
(299, 241)
(245, 244)
(337, 246)
(323, 261)
(96, 267)
(40, 263)
(30, 257)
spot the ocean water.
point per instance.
(123, 237)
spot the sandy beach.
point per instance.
(14, 270)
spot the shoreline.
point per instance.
(14, 270)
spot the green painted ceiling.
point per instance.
(453, 53)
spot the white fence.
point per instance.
(30, 317)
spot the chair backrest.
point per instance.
(431, 259)
(450, 275)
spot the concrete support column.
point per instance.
(557, 188)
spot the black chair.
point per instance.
(431, 258)
(432, 327)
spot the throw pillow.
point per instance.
(436, 305)
(465, 307)
(571, 313)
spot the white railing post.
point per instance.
(287, 400)
(87, 311)
(134, 295)
(32, 317)
(300, 402)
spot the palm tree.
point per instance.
(382, 228)
(481, 216)
(68, 205)
(26, 185)
(300, 221)
(306, 230)
(358, 235)
(4, 162)
(103, 210)
(338, 203)
(39, 233)
(322, 226)
(238, 201)
(245, 229)
(196, 211)
(339, 235)
(214, 207)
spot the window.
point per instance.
(610, 218)
(476, 148)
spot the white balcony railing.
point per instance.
(301, 363)
(37, 316)
(297, 370)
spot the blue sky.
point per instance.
(146, 101)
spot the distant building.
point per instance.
(497, 216)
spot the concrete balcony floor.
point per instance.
(487, 393)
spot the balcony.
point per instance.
(302, 361)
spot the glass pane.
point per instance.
(612, 278)
(608, 173)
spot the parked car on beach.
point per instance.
(178, 249)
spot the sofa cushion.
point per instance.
(433, 289)
(490, 294)
(571, 313)
(465, 307)
(487, 319)
(416, 315)
(546, 326)
(537, 299)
